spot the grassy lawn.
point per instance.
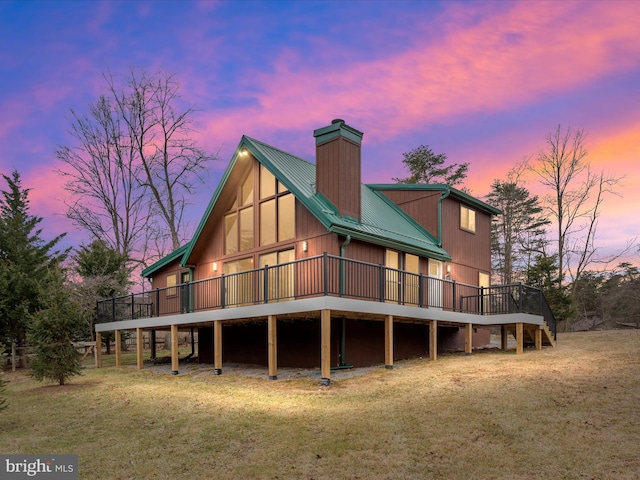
(568, 412)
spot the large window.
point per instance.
(238, 222)
(467, 219)
(277, 210)
(239, 282)
(280, 278)
(275, 207)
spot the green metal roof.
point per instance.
(164, 261)
(382, 223)
(439, 187)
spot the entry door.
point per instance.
(484, 280)
(281, 275)
(411, 282)
(435, 283)
(392, 282)
(185, 295)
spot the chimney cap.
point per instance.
(337, 129)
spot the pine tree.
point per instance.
(425, 166)
(25, 258)
(104, 274)
(543, 274)
(53, 331)
(518, 233)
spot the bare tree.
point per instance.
(577, 197)
(170, 160)
(135, 165)
(101, 172)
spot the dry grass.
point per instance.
(571, 412)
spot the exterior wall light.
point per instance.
(244, 152)
(448, 268)
(215, 266)
(305, 246)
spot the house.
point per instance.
(300, 264)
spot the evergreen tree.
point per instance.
(518, 233)
(104, 274)
(425, 166)
(53, 331)
(25, 257)
(543, 274)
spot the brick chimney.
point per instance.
(338, 167)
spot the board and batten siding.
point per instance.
(422, 206)
(471, 252)
(338, 175)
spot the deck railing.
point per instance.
(326, 275)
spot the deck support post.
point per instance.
(433, 340)
(98, 350)
(468, 339)
(325, 347)
(272, 342)
(217, 347)
(118, 348)
(538, 337)
(152, 344)
(504, 340)
(519, 338)
(388, 342)
(139, 348)
(174, 350)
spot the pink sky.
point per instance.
(483, 82)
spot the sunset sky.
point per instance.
(483, 82)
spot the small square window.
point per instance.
(467, 219)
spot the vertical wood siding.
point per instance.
(338, 175)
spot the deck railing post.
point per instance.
(325, 278)
(157, 302)
(481, 300)
(420, 287)
(222, 299)
(133, 310)
(265, 291)
(381, 282)
(454, 294)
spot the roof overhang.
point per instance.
(439, 187)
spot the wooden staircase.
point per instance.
(530, 335)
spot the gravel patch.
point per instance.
(258, 371)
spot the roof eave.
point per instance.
(434, 187)
(214, 199)
(164, 261)
(436, 253)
